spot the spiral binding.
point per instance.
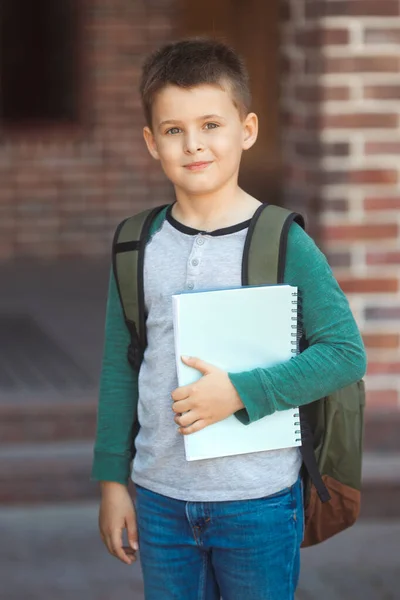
(294, 342)
(297, 424)
(296, 337)
(300, 331)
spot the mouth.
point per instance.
(198, 166)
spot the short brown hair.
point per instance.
(192, 62)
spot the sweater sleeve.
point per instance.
(335, 357)
(117, 406)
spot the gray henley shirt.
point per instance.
(179, 258)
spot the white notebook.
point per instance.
(238, 330)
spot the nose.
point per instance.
(193, 144)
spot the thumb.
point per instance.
(196, 363)
(131, 530)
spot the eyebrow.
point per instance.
(202, 118)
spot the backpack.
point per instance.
(331, 427)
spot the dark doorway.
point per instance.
(252, 27)
(38, 62)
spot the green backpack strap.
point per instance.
(128, 249)
(264, 253)
(264, 259)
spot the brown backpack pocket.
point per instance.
(323, 520)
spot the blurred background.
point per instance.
(326, 86)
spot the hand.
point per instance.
(210, 399)
(116, 514)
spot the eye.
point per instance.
(173, 131)
(211, 125)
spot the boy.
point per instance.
(230, 526)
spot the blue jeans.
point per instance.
(240, 550)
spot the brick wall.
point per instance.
(62, 192)
(341, 110)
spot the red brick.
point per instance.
(377, 399)
(388, 176)
(360, 121)
(373, 203)
(381, 35)
(388, 341)
(383, 258)
(356, 64)
(322, 37)
(339, 259)
(357, 233)
(382, 313)
(296, 174)
(335, 149)
(382, 92)
(339, 205)
(382, 148)
(354, 8)
(383, 368)
(315, 93)
(315, 149)
(300, 121)
(369, 285)
(360, 177)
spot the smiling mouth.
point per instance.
(197, 166)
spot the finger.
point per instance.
(132, 532)
(181, 393)
(196, 363)
(108, 543)
(117, 549)
(130, 552)
(197, 426)
(181, 406)
(186, 419)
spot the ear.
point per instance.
(150, 142)
(250, 130)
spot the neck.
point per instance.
(218, 209)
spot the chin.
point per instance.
(200, 187)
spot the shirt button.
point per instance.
(195, 262)
(190, 286)
(200, 241)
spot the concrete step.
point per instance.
(47, 419)
(47, 472)
(54, 418)
(54, 552)
(381, 432)
(380, 494)
(60, 472)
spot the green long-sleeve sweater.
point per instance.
(335, 358)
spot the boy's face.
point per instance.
(199, 136)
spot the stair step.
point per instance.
(382, 431)
(60, 472)
(52, 472)
(54, 419)
(380, 494)
(26, 422)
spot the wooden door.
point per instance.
(252, 28)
